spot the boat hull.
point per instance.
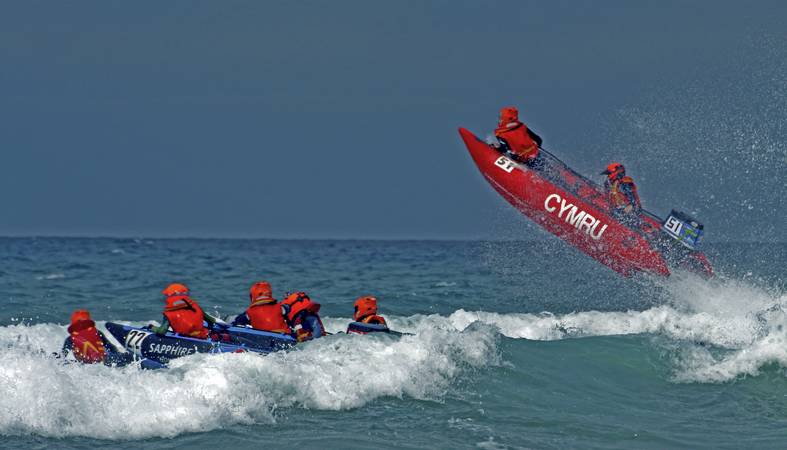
(577, 211)
(146, 344)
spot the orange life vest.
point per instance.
(374, 319)
(520, 143)
(86, 342)
(268, 317)
(299, 302)
(185, 316)
(618, 198)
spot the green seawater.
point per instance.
(514, 345)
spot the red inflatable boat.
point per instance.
(578, 211)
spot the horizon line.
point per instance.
(312, 238)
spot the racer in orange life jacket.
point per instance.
(264, 313)
(366, 312)
(515, 137)
(90, 346)
(87, 343)
(301, 313)
(183, 314)
(622, 190)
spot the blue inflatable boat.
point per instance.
(366, 328)
(144, 343)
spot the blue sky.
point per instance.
(338, 119)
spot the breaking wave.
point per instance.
(713, 331)
(43, 396)
(728, 328)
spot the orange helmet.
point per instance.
(364, 306)
(508, 114)
(80, 315)
(614, 170)
(175, 289)
(261, 293)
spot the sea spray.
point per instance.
(42, 395)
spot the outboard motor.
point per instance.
(683, 228)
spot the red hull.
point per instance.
(580, 215)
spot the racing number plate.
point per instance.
(505, 164)
(674, 226)
(134, 340)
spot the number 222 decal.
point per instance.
(505, 164)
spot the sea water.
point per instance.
(514, 344)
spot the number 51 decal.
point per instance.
(673, 225)
(505, 164)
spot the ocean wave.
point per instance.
(661, 320)
(699, 364)
(43, 396)
(719, 330)
(51, 276)
(732, 328)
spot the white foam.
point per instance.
(51, 276)
(700, 365)
(751, 322)
(745, 325)
(43, 396)
(742, 328)
(662, 320)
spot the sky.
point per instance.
(338, 119)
